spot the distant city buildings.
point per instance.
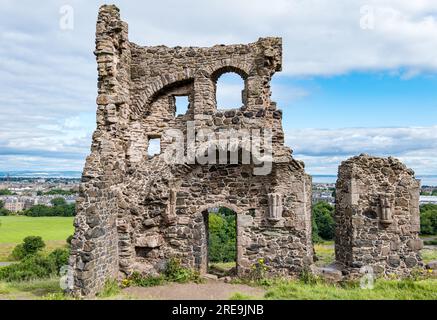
(13, 205)
(24, 193)
(323, 192)
(428, 199)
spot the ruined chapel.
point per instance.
(136, 211)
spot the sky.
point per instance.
(358, 76)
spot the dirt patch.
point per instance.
(210, 290)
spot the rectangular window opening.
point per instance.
(154, 147)
(182, 104)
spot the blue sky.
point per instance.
(346, 87)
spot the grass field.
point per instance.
(325, 253)
(383, 290)
(53, 230)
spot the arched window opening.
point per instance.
(229, 91)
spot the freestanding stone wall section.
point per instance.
(134, 211)
(377, 216)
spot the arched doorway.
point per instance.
(220, 241)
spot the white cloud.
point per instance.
(323, 149)
(48, 76)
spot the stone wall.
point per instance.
(377, 216)
(135, 212)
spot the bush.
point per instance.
(18, 252)
(136, 279)
(68, 240)
(30, 246)
(174, 272)
(59, 257)
(33, 244)
(31, 267)
(4, 212)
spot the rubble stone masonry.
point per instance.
(135, 211)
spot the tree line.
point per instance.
(59, 208)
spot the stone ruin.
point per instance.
(136, 211)
(377, 216)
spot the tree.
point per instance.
(323, 215)
(428, 219)
(60, 209)
(5, 192)
(30, 246)
(222, 236)
(3, 210)
(33, 244)
(58, 202)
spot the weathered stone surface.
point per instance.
(376, 210)
(136, 211)
(139, 211)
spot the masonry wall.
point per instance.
(377, 216)
(135, 212)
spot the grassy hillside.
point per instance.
(53, 230)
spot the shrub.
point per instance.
(59, 257)
(33, 244)
(30, 246)
(31, 267)
(258, 270)
(136, 279)
(68, 240)
(174, 272)
(18, 252)
(4, 212)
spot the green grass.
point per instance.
(224, 265)
(383, 290)
(428, 255)
(110, 289)
(33, 289)
(53, 230)
(241, 296)
(325, 253)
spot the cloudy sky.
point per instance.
(358, 76)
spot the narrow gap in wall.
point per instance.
(181, 105)
(154, 147)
